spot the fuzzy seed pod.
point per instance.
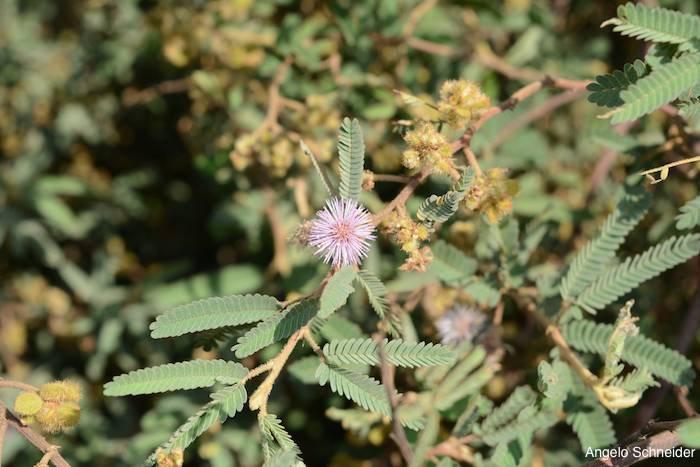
(58, 391)
(58, 416)
(461, 102)
(28, 403)
(170, 459)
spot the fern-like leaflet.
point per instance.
(276, 328)
(637, 269)
(655, 24)
(175, 376)
(661, 86)
(364, 390)
(351, 148)
(397, 352)
(214, 313)
(224, 404)
(689, 216)
(592, 260)
(606, 90)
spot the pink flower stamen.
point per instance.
(342, 232)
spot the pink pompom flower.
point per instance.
(460, 324)
(341, 232)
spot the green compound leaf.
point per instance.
(521, 397)
(439, 208)
(398, 352)
(689, 433)
(606, 90)
(661, 86)
(518, 428)
(637, 269)
(592, 260)
(450, 264)
(351, 148)
(363, 390)
(643, 353)
(690, 215)
(224, 404)
(275, 437)
(655, 24)
(276, 328)
(175, 376)
(376, 291)
(593, 427)
(337, 291)
(213, 313)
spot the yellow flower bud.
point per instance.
(170, 459)
(57, 416)
(28, 403)
(57, 391)
(48, 418)
(461, 102)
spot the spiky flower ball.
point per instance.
(461, 102)
(54, 407)
(175, 458)
(460, 324)
(427, 147)
(27, 404)
(410, 236)
(341, 232)
(491, 194)
(59, 391)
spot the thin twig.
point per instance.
(484, 55)
(546, 108)
(258, 401)
(403, 195)
(3, 429)
(416, 15)
(554, 334)
(517, 97)
(390, 178)
(274, 101)
(131, 97)
(5, 383)
(473, 162)
(33, 437)
(280, 259)
(387, 374)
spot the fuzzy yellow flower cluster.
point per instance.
(428, 148)
(273, 152)
(175, 458)
(54, 407)
(461, 102)
(409, 236)
(492, 195)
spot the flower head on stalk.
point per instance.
(341, 232)
(460, 324)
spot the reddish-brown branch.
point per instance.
(280, 260)
(132, 97)
(518, 96)
(35, 438)
(403, 195)
(542, 110)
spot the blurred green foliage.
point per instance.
(133, 177)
